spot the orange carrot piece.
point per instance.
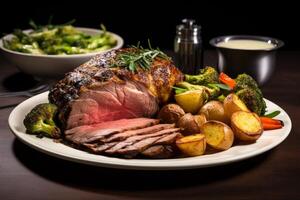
(266, 120)
(271, 126)
(227, 80)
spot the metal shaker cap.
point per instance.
(188, 28)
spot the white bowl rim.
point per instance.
(119, 39)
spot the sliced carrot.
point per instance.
(227, 80)
(266, 120)
(271, 126)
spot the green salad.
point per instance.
(59, 40)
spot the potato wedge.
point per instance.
(214, 110)
(232, 103)
(191, 101)
(218, 135)
(192, 145)
(170, 113)
(246, 126)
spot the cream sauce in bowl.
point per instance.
(246, 44)
(254, 55)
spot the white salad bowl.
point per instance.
(52, 66)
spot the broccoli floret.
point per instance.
(248, 91)
(246, 81)
(206, 76)
(40, 121)
(253, 100)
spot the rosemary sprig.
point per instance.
(138, 57)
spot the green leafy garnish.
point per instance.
(179, 90)
(138, 57)
(272, 114)
(219, 85)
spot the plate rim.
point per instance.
(129, 163)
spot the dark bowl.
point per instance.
(260, 64)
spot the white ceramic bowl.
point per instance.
(52, 66)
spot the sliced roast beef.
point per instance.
(90, 133)
(132, 140)
(138, 147)
(168, 139)
(143, 131)
(98, 148)
(114, 147)
(98, 91)
(120, 142)
(158, 151)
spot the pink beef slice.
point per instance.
(143, 131)
(93, 133)
(140, 146)
(111, 101)
(159, 151)
(132, 140)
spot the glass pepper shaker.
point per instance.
(188, 47)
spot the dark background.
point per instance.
(140, 20)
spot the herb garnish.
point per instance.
(138, 57)
(272, 114)
(219, 85)
(179, 90)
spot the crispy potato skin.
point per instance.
(239, 128)
(192, 145)
(221, 130)
(189, 124)
(232, 104)
(170, 113)
(214, 110)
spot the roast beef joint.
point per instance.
(109, 110)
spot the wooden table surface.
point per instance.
(28, 174)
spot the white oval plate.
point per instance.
(267, 141)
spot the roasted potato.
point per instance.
(232, 104)
(200, 119)
(190, 124)
(214, 110)
(191, 101)
(192, 145)
(170, 113)
(246, 126)
(218, 135)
